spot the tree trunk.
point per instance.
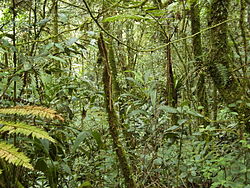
(197, 50)
(220, 64)
(56, 32)
(112, 117)
(171, 92)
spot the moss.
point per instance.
(112, 117)
(219, 64)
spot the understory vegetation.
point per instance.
(124, 93)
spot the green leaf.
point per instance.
(98, 138)
(168, 109)
(181, 121)
(43, 21)
(123, 17)
(138, 112)
(41, 165)
(71, 41)
(49, 46)
(17, 78)
(173, 6)
(232, 105)
(63, 17)
(194, 113)
(3, 50)
(153, 11)
(134, 81)
(19, 184)
(158, 161)
(153, 97)
(81, 136)
(57, 58)
(66, 168)
(27, 66)
(59, 46)
(45, 145)
(85, 184)
(172, 128)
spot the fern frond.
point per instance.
(11, 155)
(32, 110)
(22, 128)
(223, 74)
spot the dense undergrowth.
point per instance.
(176, 84)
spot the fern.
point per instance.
(223, 73)
(10, 154)
(22, 128)
(32, 110)
(8, 151)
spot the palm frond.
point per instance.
(22, 128)
(32, 110)
(12, 155)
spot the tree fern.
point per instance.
(12, 155)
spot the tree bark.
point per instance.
(112, 117)
(197, 50)
(220, 65)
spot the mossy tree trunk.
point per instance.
(220, 64)
(197, 51)
(116, 90)
(114, 123)
(56, 34)
(14, 41)
(171, 91)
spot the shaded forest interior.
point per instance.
(124, 93)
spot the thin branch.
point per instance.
(190, 36)
(104, 30)
(50, 37)
(134, 6)
(70, 4)
(120, 42)
(153, 49)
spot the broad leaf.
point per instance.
(57, 58)
(71, 41)
(97, 136)
(168, 109)
(81, 136)
(138, 112)
(172, 128)
(43, 21)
